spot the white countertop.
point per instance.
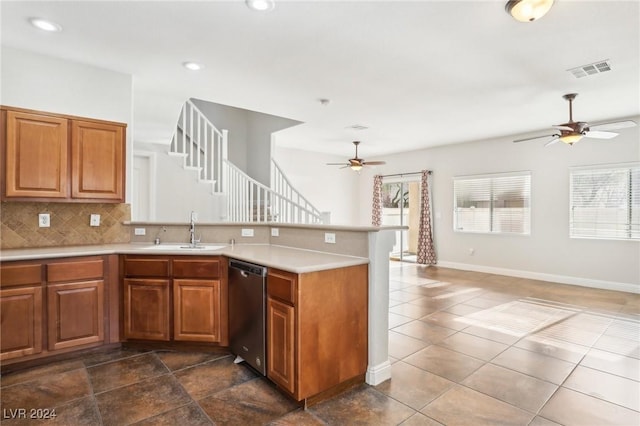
(286, 258)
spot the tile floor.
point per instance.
(467, 348)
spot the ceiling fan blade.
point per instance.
(534, 137)
(552, 141)
(596, 134)
(614, 125)
(373, 163)
(336, 164)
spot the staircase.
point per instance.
(203, 149)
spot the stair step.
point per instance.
(197, 169)
(177, 154)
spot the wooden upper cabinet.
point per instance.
(97, 159)
(36, 156)
(54, 157)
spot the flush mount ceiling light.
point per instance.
(261, 5)
(45, 25)
(528, 10)
(192, 66)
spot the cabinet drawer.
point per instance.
(282, 285)
(203, 268)
(77, 270)
(146, 267)
(15, 275)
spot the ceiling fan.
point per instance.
(572, 131)
(357, 163)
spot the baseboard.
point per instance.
(377, 374)
(563, 279)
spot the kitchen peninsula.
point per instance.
(296, 251)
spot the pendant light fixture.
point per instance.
(528, 10)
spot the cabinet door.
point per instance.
(196, 310)
(280, 344)
(97, 152)
(36, 156)
(146, 309)
(21, 323)
(75, 314)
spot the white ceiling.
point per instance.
(417, 74)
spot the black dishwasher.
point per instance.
(247, 313)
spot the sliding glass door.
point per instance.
(401, 206)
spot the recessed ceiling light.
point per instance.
(193, 66)
(45, 25)
(261, 5)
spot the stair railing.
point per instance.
(202, 145)
(251, 201)
(281, 186)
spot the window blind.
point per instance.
(493, 203)
(605, 202)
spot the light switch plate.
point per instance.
(44, 220)
(247, 232)
(329, 237)
(140, 231)
(275, 232)
(95, 220)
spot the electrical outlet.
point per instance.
(95, 220)
(472, 251)
(329, 237)
(247, 232)
(275, 232)
(44, 220)
(140, 231)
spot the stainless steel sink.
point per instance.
(183, 247)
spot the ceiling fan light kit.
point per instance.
(573, 131)
(356, 164)
(528, 10)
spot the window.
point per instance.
(499, 204)
(605, 202)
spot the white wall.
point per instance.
(548, 253)
(249, 141)
(33, 81)
(329, 188)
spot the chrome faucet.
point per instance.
(192, 230)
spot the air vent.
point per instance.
(590, 69)
(357, 127)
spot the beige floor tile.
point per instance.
(412, 311)
(463, 309)
(401, 346)
(563, 331)
(619, 345)
(444, 362)
(624, 329)
(565, 351)
(426, 332)
(403, 296)
(610, 362)
(541, 421)
(396, 320)
(571, 408)
(608, 387)
(492, 333)
(461, 406)
(413, 386)
(534, 364)
(474, 346)
(517, 389)
(448, 320)
(420, 419)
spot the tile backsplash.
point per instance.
(69, 224)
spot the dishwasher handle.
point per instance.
(247, 269)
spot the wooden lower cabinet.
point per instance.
(280, 336)
(54, 306)
(22, 319)
(316, 329)
(146, 309)
(182, 298)
(75, 314)
(196, 310)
